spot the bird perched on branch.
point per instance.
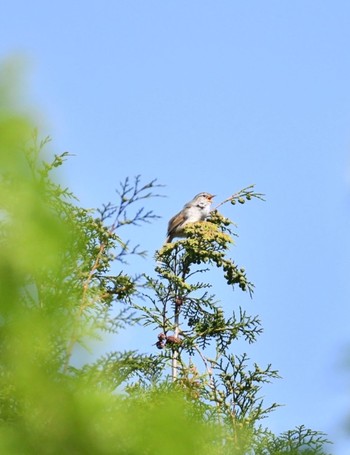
(196, 210)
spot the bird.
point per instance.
(197, 209)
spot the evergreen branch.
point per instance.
(242, 195)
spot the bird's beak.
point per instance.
(211, 197)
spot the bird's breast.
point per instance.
(197, 214)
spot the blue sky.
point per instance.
(213, 96)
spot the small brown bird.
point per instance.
(196, 210)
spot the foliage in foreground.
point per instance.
(63, 283)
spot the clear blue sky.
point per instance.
(213, 96)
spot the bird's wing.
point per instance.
(176, 221)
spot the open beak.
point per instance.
(211, 197)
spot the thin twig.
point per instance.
(176, 335)
(207, 367)
(242, 192)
